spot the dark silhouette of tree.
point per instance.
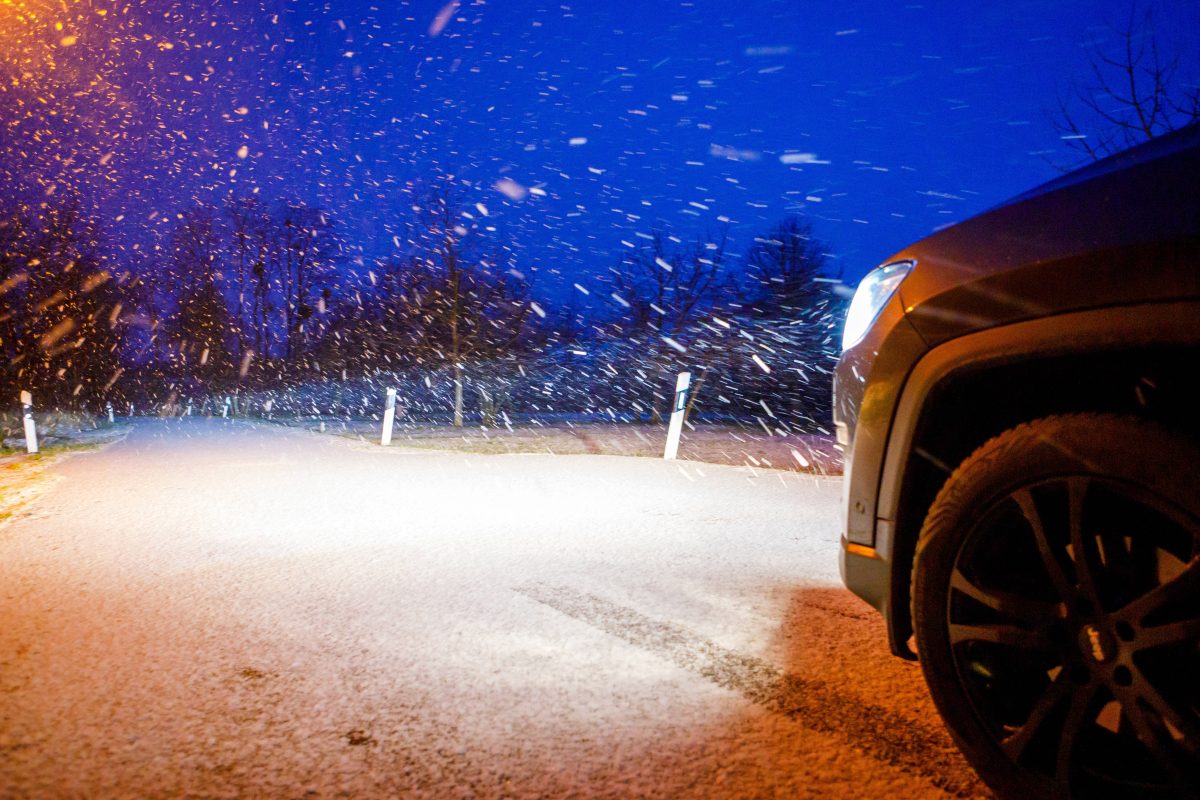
(249, 247)
(1135, 93)
(61, 307)
(200, 323)
(449, 302)
(305, 251)
(664, 289)
(14, 275)
(665, 286)
(458, 303)
(785, 270)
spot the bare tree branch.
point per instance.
(1134, 96)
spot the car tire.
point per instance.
(1061, 676)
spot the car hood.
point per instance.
(1123, 230)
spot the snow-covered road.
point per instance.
(218, 609)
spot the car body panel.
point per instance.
(867, 384)
(1119, 237)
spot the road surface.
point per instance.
(213, 608)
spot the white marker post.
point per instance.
(389, 418)
(225, 409)
(189, 408)
(676, 427)
(108, 408)
(31, 444)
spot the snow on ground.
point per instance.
(23, 478)
(738, 445)
(220, 609)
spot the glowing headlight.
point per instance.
(869, 299)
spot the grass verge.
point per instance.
(25, 477)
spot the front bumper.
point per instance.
(865, 572)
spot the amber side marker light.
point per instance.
(861, 550)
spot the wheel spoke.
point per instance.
(1031, 612)
(1081, 546)
(1053, 568)
(1008, 635)
(1171, 633)
(1184, 586)
(1081, 702)
(1052, 696)
(1147, 695)
(1152, 734)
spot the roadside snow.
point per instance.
(221, 609)
(711, 443)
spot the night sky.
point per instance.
(578, 127)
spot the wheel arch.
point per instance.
(1126, 359)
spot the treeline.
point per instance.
(63, 308)
(251, 297)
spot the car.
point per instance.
(1019, 407)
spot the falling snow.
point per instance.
(528, 212)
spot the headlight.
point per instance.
(870, 298)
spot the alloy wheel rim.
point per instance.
(1073, 616)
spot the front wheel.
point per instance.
(1056, 604)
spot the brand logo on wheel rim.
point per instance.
(1096, 642)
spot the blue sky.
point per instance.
(879, 121)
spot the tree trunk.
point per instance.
(241, 315)
(487, 408)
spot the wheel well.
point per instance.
(974, 404)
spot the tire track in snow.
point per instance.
(876, 731)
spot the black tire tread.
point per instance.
(1157, 455)
(950, 497)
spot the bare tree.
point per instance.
(1135, 93)
(665, 288)
(459, 304)
(248, 223)
(666, 285)
(59, 305)
(260, 312)
(200, 322)
(786, 269)
(307, 251)
(14, 275)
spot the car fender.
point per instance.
(1090, 331)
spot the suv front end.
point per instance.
(1016, 404)
(879, 350)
